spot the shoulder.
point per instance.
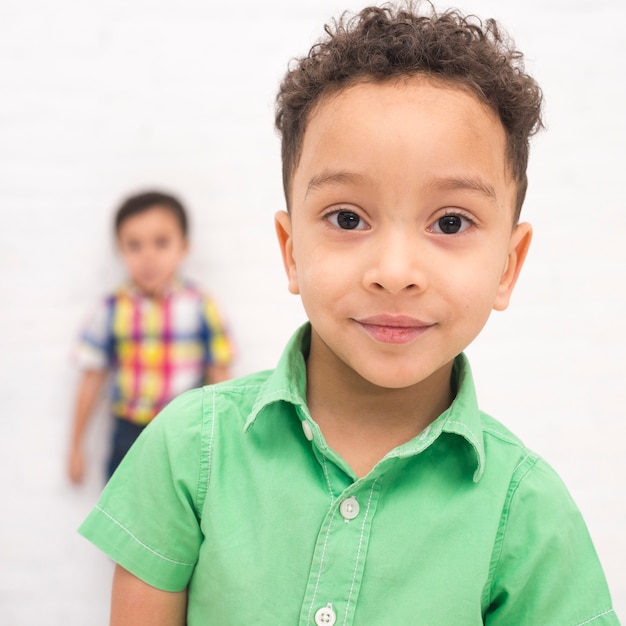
(105, 302)
(530, 478)
(106, 305)
(528, 469)
(96, 332)
(542, 542)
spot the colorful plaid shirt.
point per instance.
(155, 348)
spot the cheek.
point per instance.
(318, 284)
(471, 288)
(321, 276)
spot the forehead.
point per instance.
(426, 128)
(156, 217)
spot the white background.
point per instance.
(98, 99)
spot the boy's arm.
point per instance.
(135, 603)
(89, 390)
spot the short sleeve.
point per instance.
(147, 518)
(93, 350)
(545, 569)
(219, 347)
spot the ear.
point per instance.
(518, 248)
(282, 223)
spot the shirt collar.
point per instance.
(462, 418)
(287, 383)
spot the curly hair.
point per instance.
(386, 43)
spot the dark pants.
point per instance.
(124, 435)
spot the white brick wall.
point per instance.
(98, 99)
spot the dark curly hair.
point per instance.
(386, 43)
(141, 202)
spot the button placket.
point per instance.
(339, 558)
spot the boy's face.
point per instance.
(401, 239)
(152, 246)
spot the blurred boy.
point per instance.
(158, 335)
(358, 483)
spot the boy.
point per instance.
(158, 335)
(358, 483)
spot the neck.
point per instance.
(361, 421)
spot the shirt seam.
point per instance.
(593, 619)
(498, 548)
(326, 474)
(204, 466)
(140, 543)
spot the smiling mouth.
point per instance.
(393, 329)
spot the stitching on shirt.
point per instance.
(498, 547)
(269, 397)
(593, 619)
(280, 394)
(330, 489)
(143, 545)
(202, 484)
(358, 553)
(211, 434)
(319, 572)
(521, 463)
(469, 433)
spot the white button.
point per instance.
(325, 616)
(349, 508)
(308, 432)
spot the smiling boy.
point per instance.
(400, 241)
(358, 482)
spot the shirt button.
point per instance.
(308, 431)
(325, 616)
(349, 508)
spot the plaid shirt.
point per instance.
(155, 348)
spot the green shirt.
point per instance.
(232, 492)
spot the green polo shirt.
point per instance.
(233, 492)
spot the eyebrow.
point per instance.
(469, 183)
(328, 178)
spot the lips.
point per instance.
(397, 329)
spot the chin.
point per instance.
(390, 380)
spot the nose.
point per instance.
(396, 264)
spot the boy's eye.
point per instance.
(347, 220)
(162, 242)
(451, 224)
